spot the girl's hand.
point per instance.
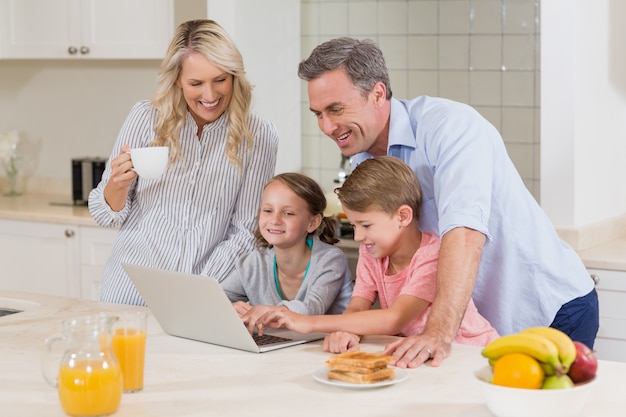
(252, 317)
(241, 307)
(339, 342)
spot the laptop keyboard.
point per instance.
(268, 339)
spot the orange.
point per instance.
(518, 370)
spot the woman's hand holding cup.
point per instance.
(122, 177)
(147, 163)
(122, 168)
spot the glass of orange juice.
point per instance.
(128, 343)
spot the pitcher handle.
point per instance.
(49, 367)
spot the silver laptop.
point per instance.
(195, 307)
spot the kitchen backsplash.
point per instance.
(481, 52)
(67, 109)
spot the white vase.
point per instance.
(11, 169)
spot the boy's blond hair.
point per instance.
(384, 184)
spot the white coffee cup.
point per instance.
(150, 162)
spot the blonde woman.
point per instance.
(200, 214)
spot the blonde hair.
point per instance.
(383, 184)
(208, 38)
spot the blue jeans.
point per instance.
(579, 318)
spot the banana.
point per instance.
(537, 346)
(565, 345)
(548, 370)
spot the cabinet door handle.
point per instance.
(72, 50)
(84, 50)
(595, 278)
(69, 233)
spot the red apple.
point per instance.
(584, 366)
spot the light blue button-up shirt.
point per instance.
(468, 180)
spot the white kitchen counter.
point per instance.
(188, 378)
(38, 208)
(611, 255)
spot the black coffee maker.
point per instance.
(86, 174)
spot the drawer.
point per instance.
(610, 349)
(612, 304)
(96, 244)
(611, 287)
(609, 280)
(611, 328)
(611, 341)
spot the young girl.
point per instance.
(296, 267)
(397, 264)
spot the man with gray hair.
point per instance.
(497, 244)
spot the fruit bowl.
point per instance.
(520, 402)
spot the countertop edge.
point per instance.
(611, 255)
(56, 209)
(77, 221)
(48, 208)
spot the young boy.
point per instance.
(397, 264)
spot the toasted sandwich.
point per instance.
(360, 367)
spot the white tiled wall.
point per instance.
(481, 52)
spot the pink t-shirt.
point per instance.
(418, 280)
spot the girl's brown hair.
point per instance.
(307, 189)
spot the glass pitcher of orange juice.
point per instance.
(88, 378)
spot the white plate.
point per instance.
(321, 375)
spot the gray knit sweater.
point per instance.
(326, 289)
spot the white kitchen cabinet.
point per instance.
(95, 247)
(39, 257)
(53, 259)
(79, 29)
(611, 341)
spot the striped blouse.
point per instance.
(198, 217)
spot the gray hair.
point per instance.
(362, 59)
